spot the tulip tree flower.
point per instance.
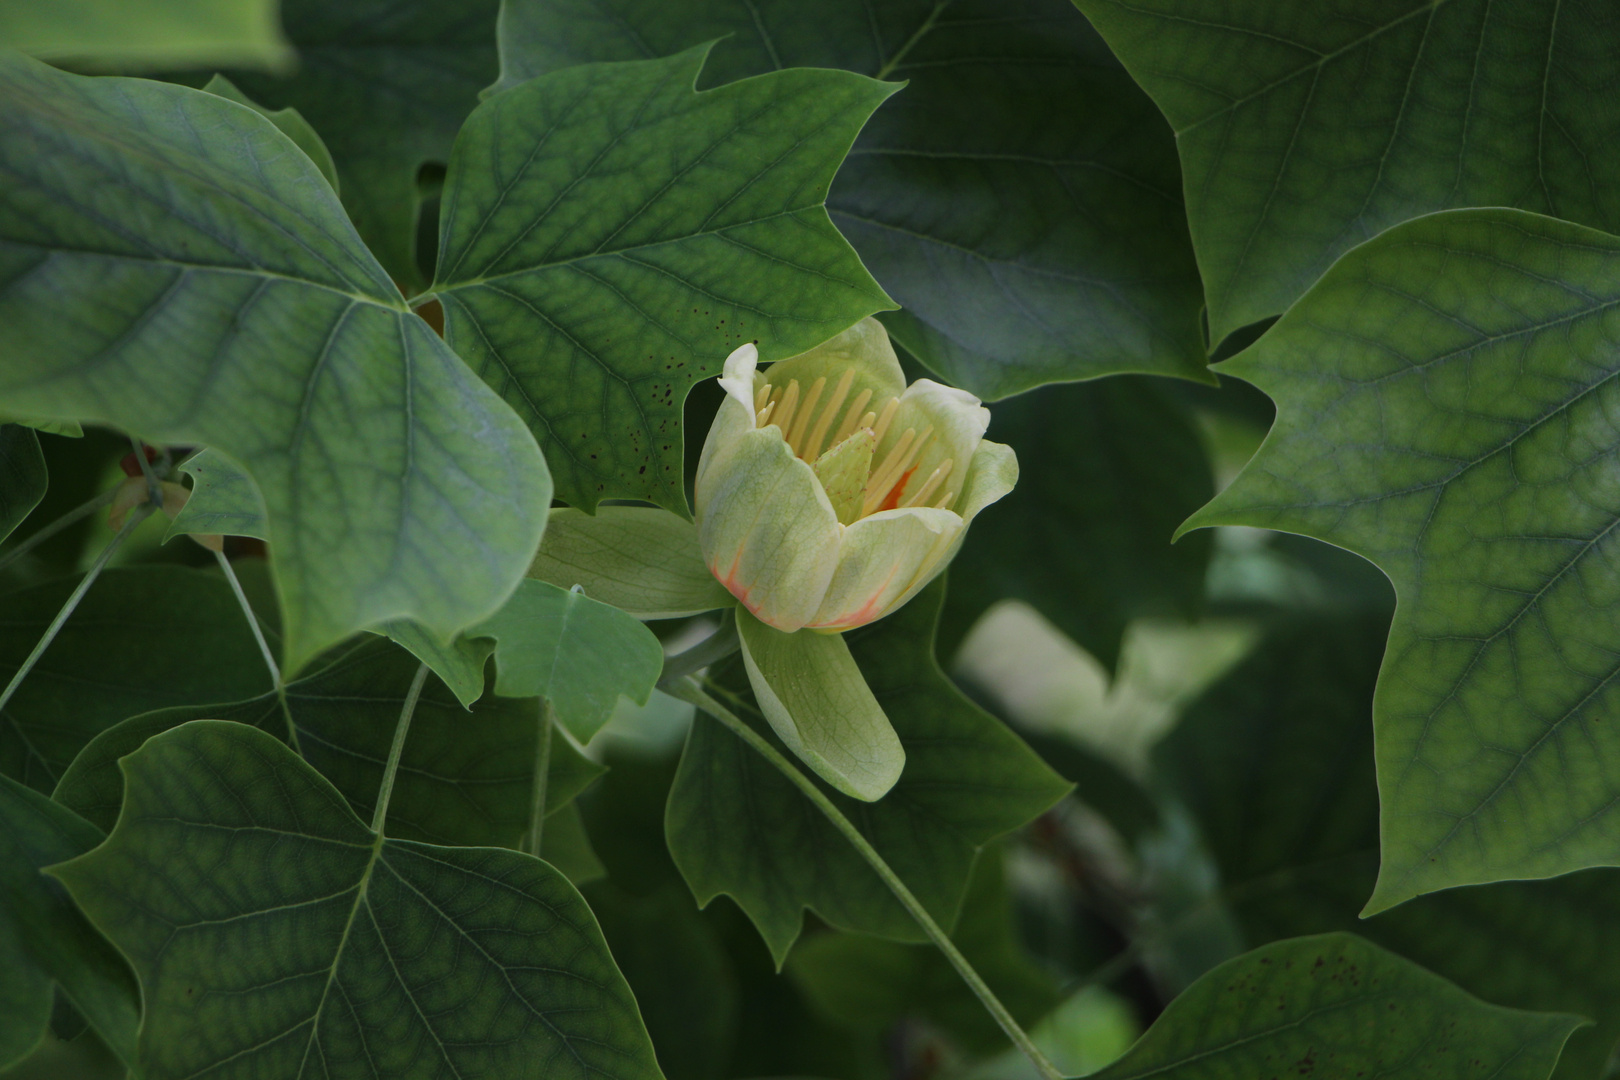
(828, 494)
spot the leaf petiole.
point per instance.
(687, 689)
(264, 649)
(542, 773)
(386, 790)
(134, 520)
(78, 513)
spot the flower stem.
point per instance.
(90, 576)
(41, 535)
(401, 729)
(542, 774)
(687, 689)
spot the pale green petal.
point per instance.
(864, 347)
(958, 421)
(736, 414)
(817, 701)
(994, 473)
(640, 559)
(766, 529)
(883, 560)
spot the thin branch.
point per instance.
(78, 513)
(264, 649)
(688, 690)
(130, 524)
(542, 774)
(401, 729)
(154, 492)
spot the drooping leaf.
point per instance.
(142, 638)
(387, 83)
(233, 306)
(1020, 199)
(609, 235)
(1106, 471)
(1341, 1005)
(736, 826)
(580, 655)
(1444, 400)
(22, 475)
(44, 940)
(464, 778)
(289, 120)
(275, 934)
(1275, 763)
(1305, 130)
(867, 984)
(148, 34)
(812, 693)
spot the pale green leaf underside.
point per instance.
(275, 935)
(1337, 1006)
(609, 235)
(148, 34)
(1021, 198)
(1305, 129)
(640, 559)
(1446, 399)
(464, 777)
(579, 654)
(172, 264)
(44, 940)
(810, 689)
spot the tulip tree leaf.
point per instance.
(102, 667)
(233, 306)
(609, 235)
(22, 475)
(464, 778)
(1275, 762)
(1345, 1006)
(736, 826)
(1106, 471)
(1445, 399)
(1021, 199)
(578, 654)
(148, 34)
(1305, 130)
(290, 122)
(388, 84)
(44, 940)
(638, 558)
(275, 934)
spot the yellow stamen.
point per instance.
(943, 504)
(806, 412)
(852, 418)
(894, 467)
(819, 432)
(763, 398)
(885, 418)
(932, 484)
(763, 417)
(790, 401)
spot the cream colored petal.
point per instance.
(816, 700)
(767, 531)
(958, 421)
(994, 472)
(640, 559)
(864, 347)
(736, 413)
(883, 561)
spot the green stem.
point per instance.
(83, 510)
(688, 690)
(542, 774)
(130, 524)
(154, 492)
(264, 649)
(401, 729)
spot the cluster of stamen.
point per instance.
(805, 424)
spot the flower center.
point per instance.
(805, 423)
